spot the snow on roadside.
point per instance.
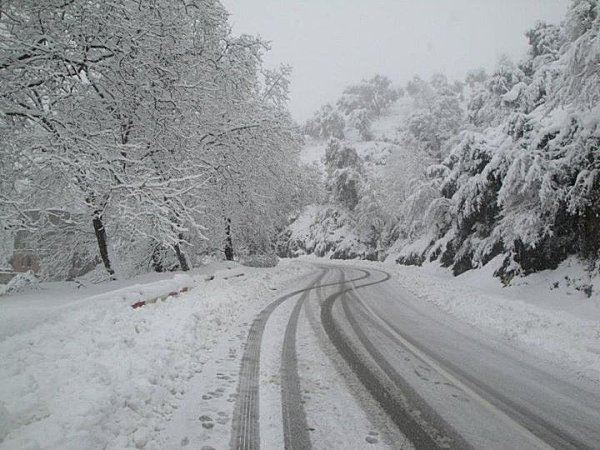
(101, 374)
(560, 324)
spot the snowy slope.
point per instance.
(386, 137)
(390, 166)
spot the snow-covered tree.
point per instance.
(524, 183)
(437, 115)
(374, 95)
(345, 174)
(326, 123)
(146, 116)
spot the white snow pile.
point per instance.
(91, 372)
(21, 282)
(547, 312)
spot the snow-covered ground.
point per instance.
(80, 368)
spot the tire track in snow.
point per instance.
(245, 432)
(539, 432)
(295, 428)
(397, 411)
(335, 425)
(414, 417)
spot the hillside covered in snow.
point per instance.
(501, 166)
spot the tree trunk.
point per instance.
(102, 244)
(228, 241)
(589, 234)
(183, 264)
(155, 259)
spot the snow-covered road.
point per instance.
(369, 365)
(309, 354)
(318, 402)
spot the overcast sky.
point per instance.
(334, 43)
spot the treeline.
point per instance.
(510, 161)
(521, 178)
(140, 135)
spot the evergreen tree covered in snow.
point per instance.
(525, 183)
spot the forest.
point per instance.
(143, 136)
(503, 165)
(139, 136)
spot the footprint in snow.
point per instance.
(222, 420)
(207, 422)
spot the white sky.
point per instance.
(334, 43)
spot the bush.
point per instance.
(22, 282)
(270, 260)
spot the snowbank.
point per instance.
(93, 372)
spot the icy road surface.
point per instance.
(349, 359)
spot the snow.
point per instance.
(386, 127)
(313, 151)
(514, 93)
(271, 413)
(301, 226)
(412, 249)
(339, 411)
(28, 309)
(21, 282)
(374, 152)
(546, 313)
(80, 368)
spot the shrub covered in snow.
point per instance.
(22, 282)
(265, 260)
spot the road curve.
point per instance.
(520, 401)
(440, 382)
(425, 431)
